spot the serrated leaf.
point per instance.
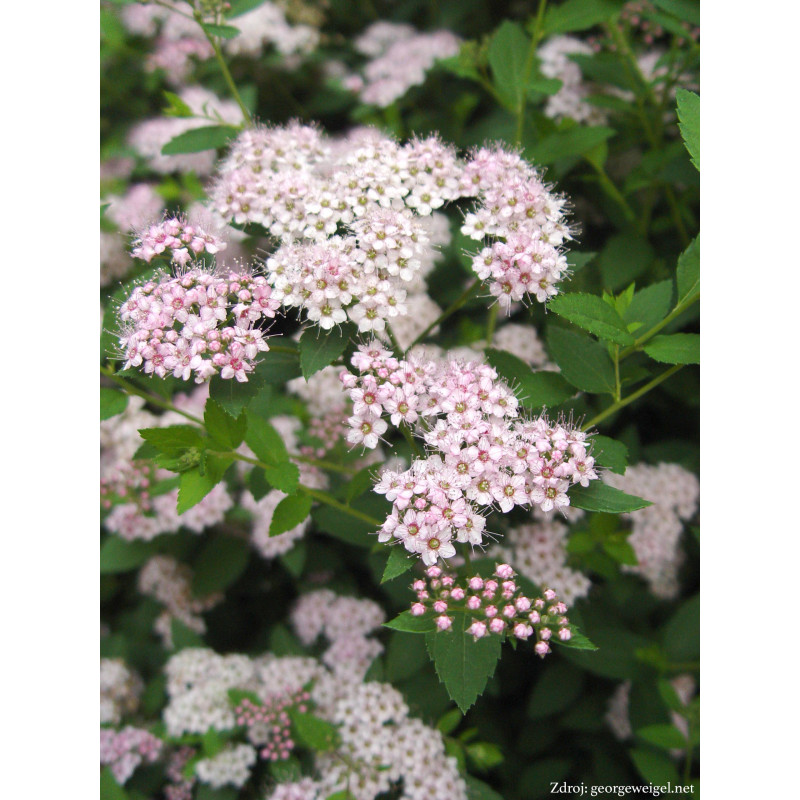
(666, 736)
(689, 122)
(598, 496)
(670, 696)
(610, 453)
(289, 513)
(196, 140)
(621, 552)
(463, 665)
(258, 484)
(687, 10)
(675, 348)
(576, 141)
(533, 389)
(119, 555)
(177, 107)
(220, 562)
(265, 441)
(650, 305)
(399, 562)
(688, 272)
(508, 53)
(194, 486)
(624, 258)
(315, 733)
(284, 476)
(655, 768)
(577, 641)
(277, 366)
(478, 790)
(174, 439)
(226, 430)
(320, 348)
(589, 312)
(583, 362)
(577, 260)
(234, 396)
(112, 402)
(223, 31)
(578, 15)
(407, 622)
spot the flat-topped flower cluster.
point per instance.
(175, 238)
(482, 452)
(200, 323)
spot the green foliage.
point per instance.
(183, 637)
(578, 15)
(112, 403)
(407, 622)
(583, 362)
(533, 389)
(663, 736)
(689, 116)
(589, 312)
(234, 396)
(313, 732)
(195, 485)
(649, 306)
(319, 348)
(598, 496)
(577, 141)
(654, 767)
(265, 441)
(688, 273)
(508, 58)
(289, 513)
(463, 664)
(109, 788)
(399, 562)
(610, 453)
(223, 31)
(119, 555)
(209, 137)
(221, 560)
(677, 348)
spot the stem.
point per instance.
(466, 294)
(322, 464)
(535, 37)
(467, 558)
(491, 324)
(152, 399)
(395, 345)
(617, 385)
(677, 311)
(612, 409)
(406, 431)
(608, 186)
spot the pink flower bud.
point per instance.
(504, 571)
(476, 583)
(509, 611)
(549, 595)
(545, 634)
(522, 603)
(491, 611)
(565, 634)
(477, 629)
(473, 603)
(534, 617)
(440, 606)
(433, 572)
(522, 631)
(542, 649)
(444, 622)
(417, 609)
(458, 593)
(497, 625)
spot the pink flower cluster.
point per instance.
(179, 787)
(130, 482)
(198, 322)
(175, 238)
(123, 751)
(483, 454)
(497, 605)
(526, 221)
(269, 723)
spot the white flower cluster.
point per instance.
(266, 25)
(170, 583)
(120, 688)
(351, 216)
(232, 765)
(345, 622)
(538, 551)
(657, 529)
(400, 58)
(523, 342)
(570, 100)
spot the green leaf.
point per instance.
(183, 637)
(313, 732)
(289, 513)
(284, 476)
(177, 107)
(277, 367)
(577, 260)
(682, 632)
(407, 622)
(220, 562)
(224, 429)
(621, 552)
(557, 687)
(234, 396)
(109, 788)
(584, 362)
(173, 440)
(212, 743)
(598, 496)
(206, 792)
(350, 529)
(112, 403)
(463, 665)
(590, 313)
(320, 348)
(235, 697)
(464, 63)
(295, 559)
(666, 736)
(534, 389)
(688, 272)
(478, 790)
(398, 563)
(689, 122)
(575, 141)
(687, 10)
(624, 258)
(360, 483)
(610, 453)
(578, 640)
(650, 305)
(265, 441)
(196, 140)
(449, 721)
(194, 486)
(484, 755)
(223, 31)
(119, 555)
(239, 7)
(670, 696)
(508, 53)
(655, 768)
(676, 348)
(578, 15)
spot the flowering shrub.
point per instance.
(399, 395)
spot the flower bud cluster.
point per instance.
(269, 724)
(123, 751)
(496, 606)
(526, 222)
(400, 59)
(674, 493)
(176, 239)
(198, 323)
